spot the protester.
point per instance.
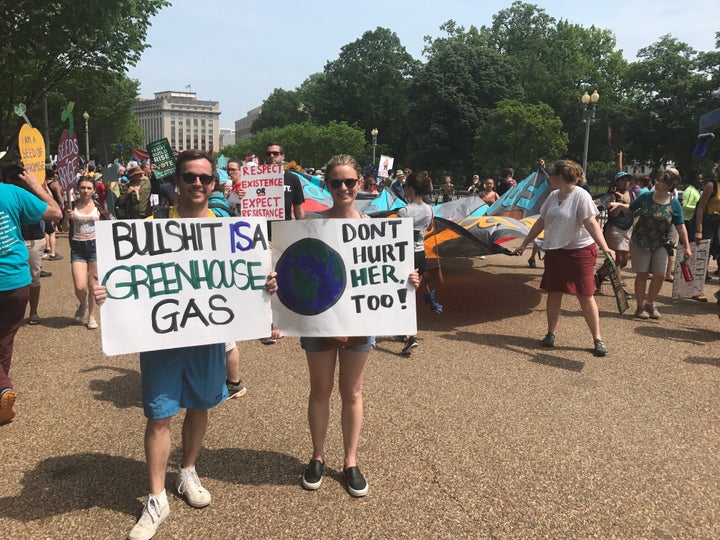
(447, 188)
(707, 215)
(18, 206)
(422, 215)
(476, 187)
(657, 212)
(83, 250)
(397, 185)
(342, 173)
(488, 194)
(51, 227)
(571, 232)
(186, 377)
(618, 228)
(507, 182)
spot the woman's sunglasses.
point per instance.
(335, 183)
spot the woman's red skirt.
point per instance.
(570, 271)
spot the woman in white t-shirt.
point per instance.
(571, 234)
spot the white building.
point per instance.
(227, 137)
(188, 123)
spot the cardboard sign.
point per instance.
(32, 151)
(698, 265)
(161, 155)
(68, 159)
(264, 191)
(386, 165)
(344, 277)
(181, 282)
(609, 269)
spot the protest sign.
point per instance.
(386, 164)
(162, 157)
(32, 151)
(609, 269)
(181, 282)
(344, 277)
(698, 265)
(68, 159)
(264, 191)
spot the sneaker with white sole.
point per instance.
(410, 344)
(80, 314)
(154, 513)
(92, 323)
(236, 390)
(652, 311)
(189, 486)
(357, 486)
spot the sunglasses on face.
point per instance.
(335, 183)
(233, 170)
(189, 178)
(273, 154)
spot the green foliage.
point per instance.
(47, 42)
(519, 135)
(308, 144)
(282, 107)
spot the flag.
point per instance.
(188, 86)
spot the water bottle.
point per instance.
(686, 272)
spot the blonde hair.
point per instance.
(342, 160)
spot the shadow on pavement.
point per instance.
(123, 390)
(64, 484)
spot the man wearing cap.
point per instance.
(398, 185)
(135, 202)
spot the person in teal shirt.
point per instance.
(23, 201)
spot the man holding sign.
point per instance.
(191, 377)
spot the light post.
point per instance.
(374, 134)
(588, 118)
(86, 117)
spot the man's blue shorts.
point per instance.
(188, 377)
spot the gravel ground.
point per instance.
(480, 434)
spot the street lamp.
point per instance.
(86, 117)
(588, 118)
(374, 134)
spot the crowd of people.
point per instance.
(197, 378)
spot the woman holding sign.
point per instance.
(342, 175)
(83, 253)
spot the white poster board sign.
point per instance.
(180, 282)
(698, 264)
(264, 191)
(344, 277)
(386, 165)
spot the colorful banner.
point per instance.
(181, 282)
(344, 277)
(161, 156)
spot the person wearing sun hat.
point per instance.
(398, 185)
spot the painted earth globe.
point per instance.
(310, 277)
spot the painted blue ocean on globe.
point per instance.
(310, 276)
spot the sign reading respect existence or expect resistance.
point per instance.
(264, 191)
(180, 282)
(344, 277)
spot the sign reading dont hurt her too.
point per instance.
(344, 277)
(180, 282)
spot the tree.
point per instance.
(669, 92)
(282, 107)
(308, 144)
(45, 43)
(518, 135)
(451, 96)
(367, 86)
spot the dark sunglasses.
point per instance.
(205, 179)
(268, 153)
(335, 183)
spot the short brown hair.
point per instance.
(571, 172)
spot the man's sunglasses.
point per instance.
(335, 183)
(274, 154)
(205, 179)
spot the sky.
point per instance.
(237, 53)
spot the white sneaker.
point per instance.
(81, 314)
(92, 323)
(152, 516)
(189, 486)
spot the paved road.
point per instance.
(481, 434)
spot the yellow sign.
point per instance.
(32, 151)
